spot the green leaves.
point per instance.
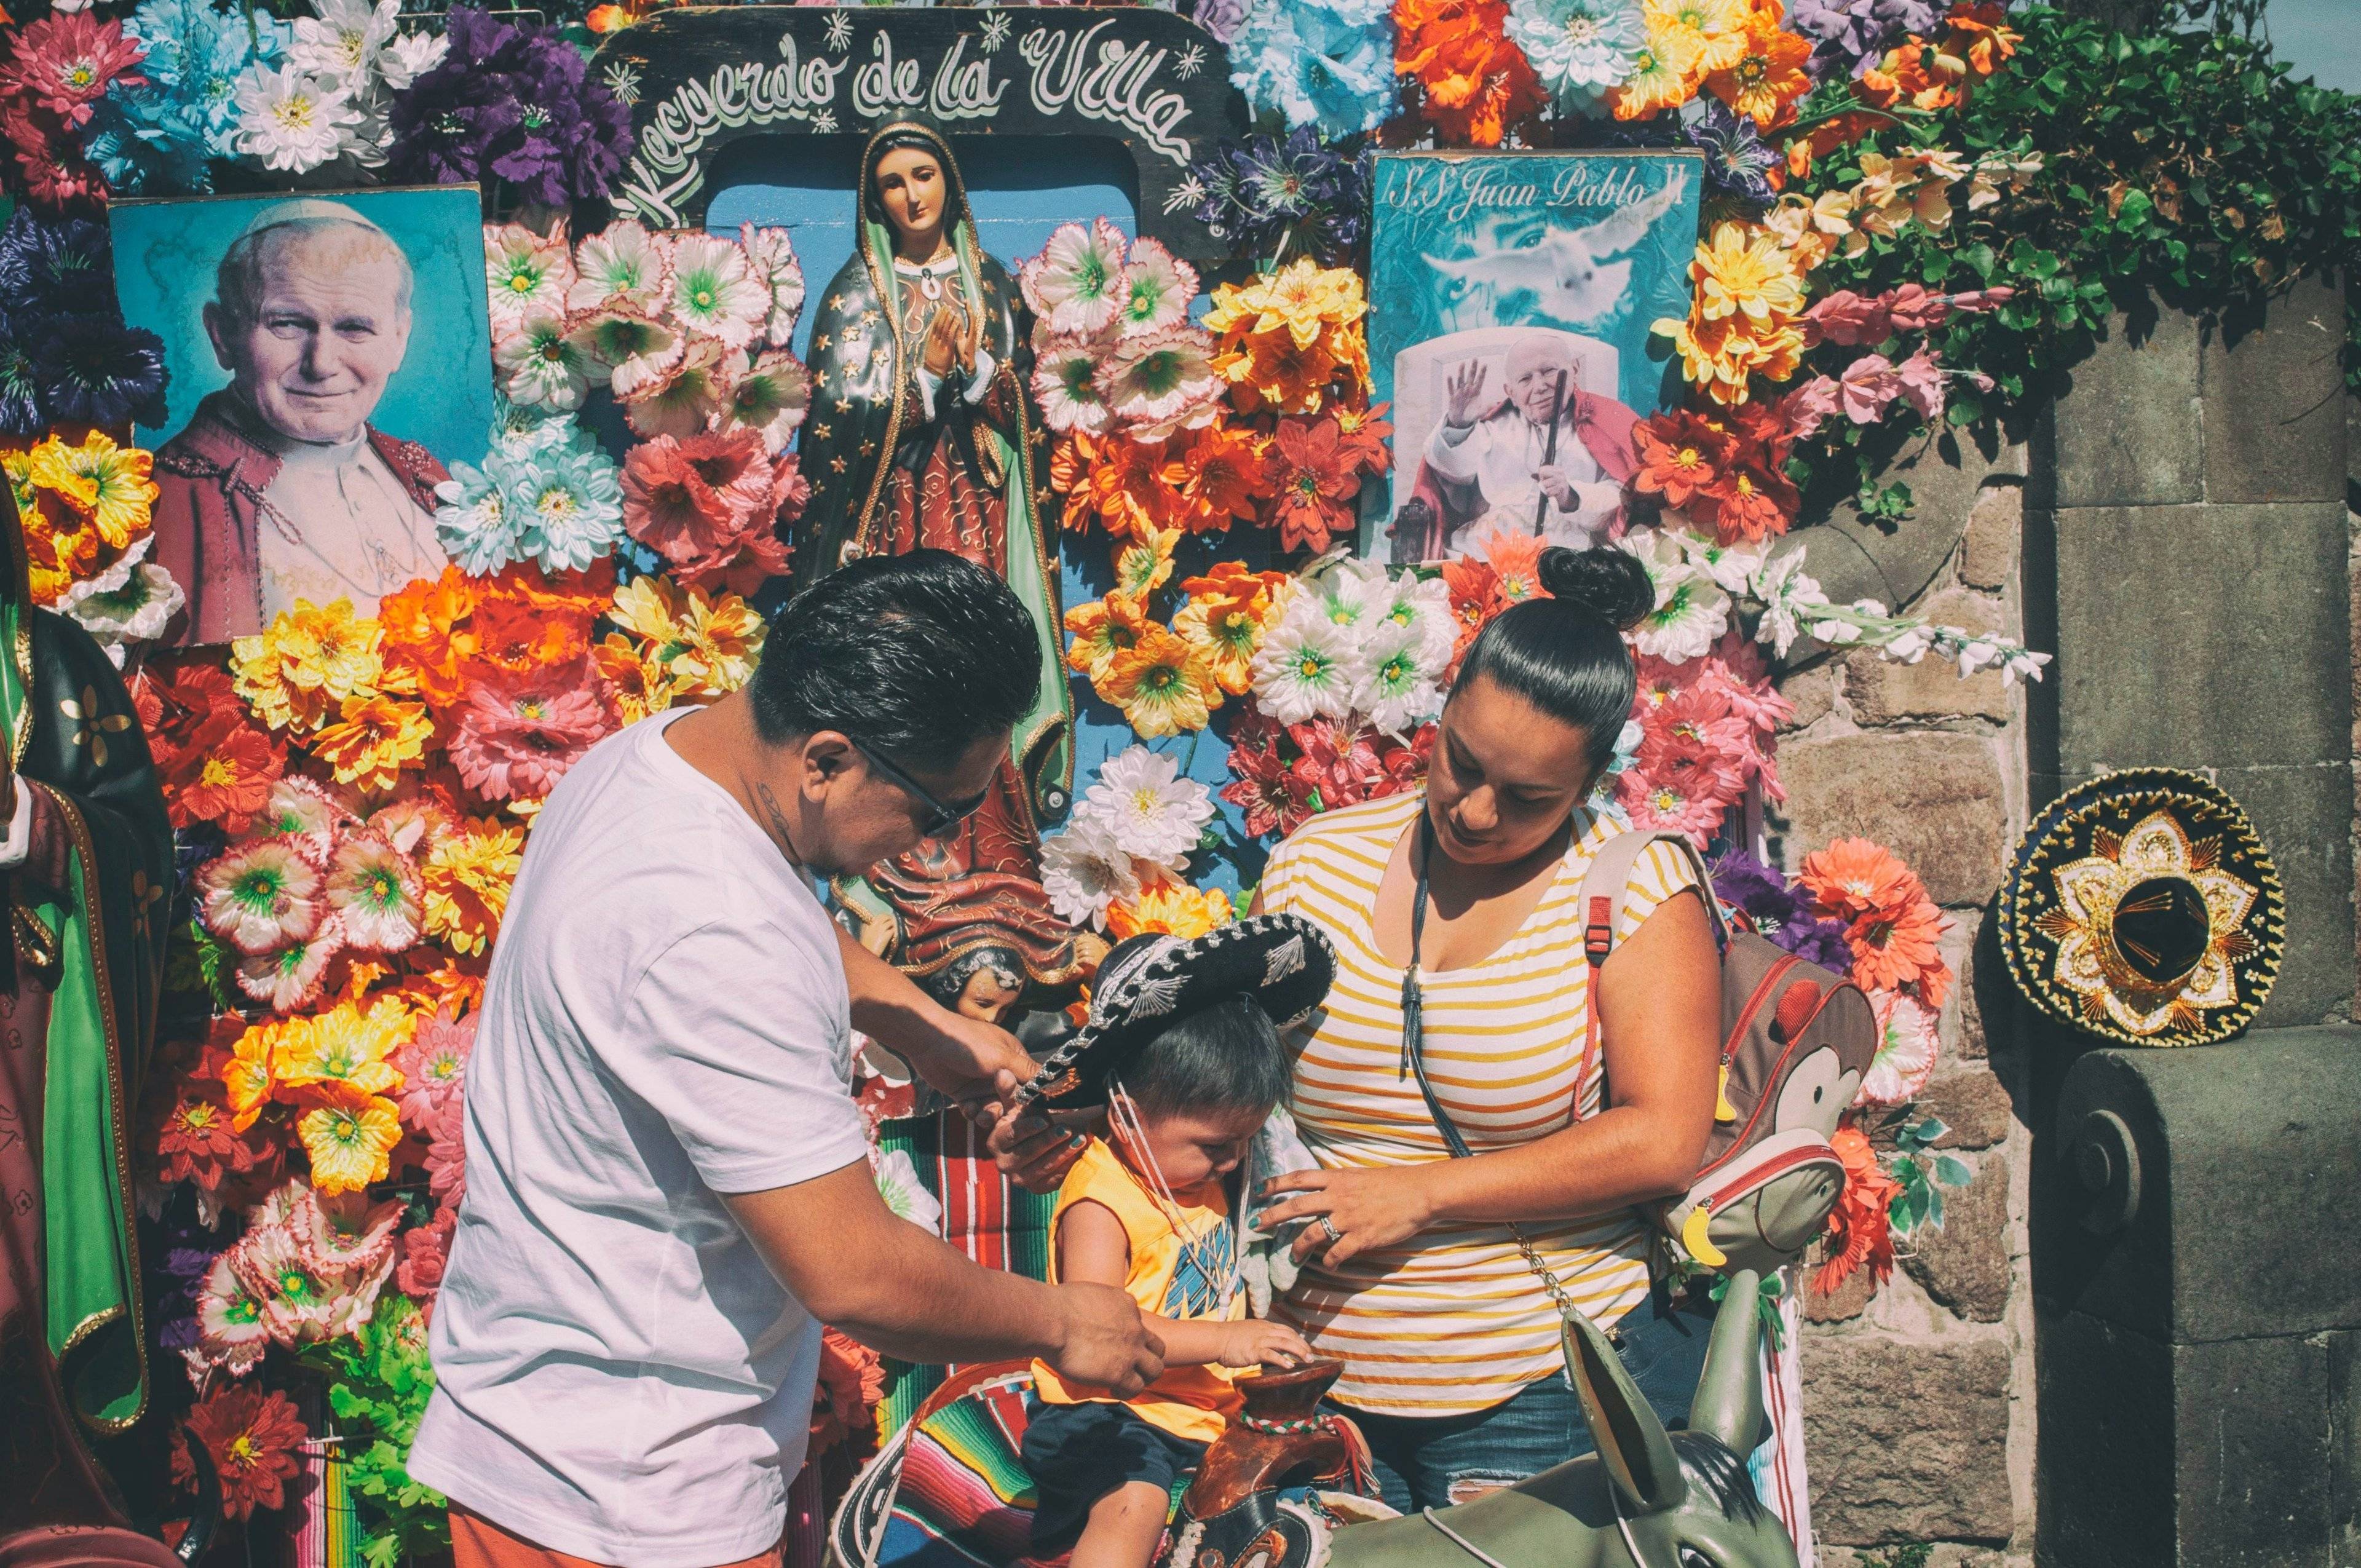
(379, 1384)
(1922, 1174)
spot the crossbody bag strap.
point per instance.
(1414, 1057)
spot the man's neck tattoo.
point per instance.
(778, 821)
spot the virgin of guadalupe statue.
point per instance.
(919, 436)
(85, 873)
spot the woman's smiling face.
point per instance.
(1505, 775)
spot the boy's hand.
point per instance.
(1256, 1344)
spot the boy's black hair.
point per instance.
(1217, 1059)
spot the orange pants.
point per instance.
(478, 1542)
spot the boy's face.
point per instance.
(1192, 1149)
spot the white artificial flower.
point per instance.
(1690, 612)
(1910, 645)
(1788, 595)
(714, 294)
(131, 601)
(898, 1184)
(770, 256)
(408, 56)
(343, 40)
(1083, 869)
(1356, 594)
(1975, 654)
(1396, 689)
(1423, 605)
(1731, 566)
(291, 120)
(1154, 812)
(1308, 668)
(2022, 664)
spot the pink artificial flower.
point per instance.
(1869, 386)
(1701, 714)
(1922, 383)
(412, 825)
(376, 893)
(296, 1302)
(709, 504)
(1915, 309)
(517, 734)
(288, 980)
(1844, 317)
(446, 1152)
(691, 391)
(65, 61)
(231, 1334)
(1808, 405)
(1659, 806)
(1906, 1050)
(345, 1233)
(426, 1251)
(304, 812)
(433, 1065)
(259, 897)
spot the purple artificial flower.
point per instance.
(1779, 913)
(1736, 163)
(1266, 191)
(175, 1308)
(511, 103)
(55, 266)
(20, 386)
(1223, 18)
(96, 371)
(1850, 35)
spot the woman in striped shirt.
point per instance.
(1413, 1274)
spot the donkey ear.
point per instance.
(1728, 1403)
(1631, 1440)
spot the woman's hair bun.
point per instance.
(1608, 582)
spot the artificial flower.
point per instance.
(1160, 377)
(1066, 381)
(259, 896)
(1155, 814)
(1738, 162)
(635, 353)
(375, 890)
(1157, 289)
(1078, 283)
(1267, 788)
(1473, 82)
(1767, 78)
(1221, 476)
(253, 1438)
(1327, 64)
(770, 398)
(1690, 610)
(709, 505)
(692, 390)
(1681, 456)
(1173, 907)
(623, 267)
(292, 120)
(434, 1063)
(771, 262)
(526, 273)
(63, 63)
(1163, 684)
(704, 646)
(306, 662)
(1906, 1049)
(1397, 689)
(232, 1336)
(1266, 192)
(96, 371)
(374, 739)
(1578, 48)
(1314, 483)
(1696, 37)
(1102, 629)
(1229, 626)
(510, 101)
(1307, 668)
(515, 739)
(541, 365)
(110, 484)
(1084, 870)
(714, 294)
(1145, 565)
(467, 876)
(349, 1145)
(1859, 1234)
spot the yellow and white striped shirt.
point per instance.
(1452, 1321)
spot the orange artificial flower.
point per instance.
(1473, 84)
(1114, 478)
(1102, 629)
(1768, 77)
(1859, 1233)
(1163, 683)
(1681, 456)
(1516, 561)
(1854, 877)
(1223, 477)
(425, 635)
(1174, 907)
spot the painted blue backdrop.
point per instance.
(165, 257)
(1021, 188)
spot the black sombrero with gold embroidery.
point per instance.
(2142, 907)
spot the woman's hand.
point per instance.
(1256, 1344)
(941, 348)
(1036, 1149)
(1372, 1206)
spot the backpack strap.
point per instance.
(1604, 884)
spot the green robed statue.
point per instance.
(86, 873)
(919, 436)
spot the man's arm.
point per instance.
(857, 1266)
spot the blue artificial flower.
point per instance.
(156, 138)
(1578, 48)
(20, 385)
(474, 520)
(96, 371)
(1324, 63)
(1736, 163)
(54, 267)
(569, 497)
(1267, 193)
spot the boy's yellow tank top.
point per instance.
(1179, 1273)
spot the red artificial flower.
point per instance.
(193, 1136)
(426, 1251)
(1473, 84)
(1682, 456)
(516, 636)
(252, 1437)
(64, 63)
(851, 1382)
(1859, 1234)
(1316, 480)
(1752, 502)
(1517, 562)
(1274, 799)
(227, 778)
(517, 735)
(702, 502)
(1338, 766)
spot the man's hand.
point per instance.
(1101, 1341)
(1557, 484)
(970, 1061)
(1465, 386)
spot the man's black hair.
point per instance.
(919, 655)
(1217, 1059)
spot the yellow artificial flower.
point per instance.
(108, 482)
(1655, 83)
(639, 685)
(1143, 566)
(1172, 906)
(19, 467)
(1744, 321)
(467, 876)
(1696, 37)
(374, 738)
(350, 1146)
(1163, 684)
(1809, 229)
(248, 1074)
(339, 1056)
(306, 662)
(1228, 627)
(704, 647)
(1102, 629)
(1742, 270)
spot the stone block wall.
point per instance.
(1917, 1398)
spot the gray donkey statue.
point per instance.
(1648, 1498)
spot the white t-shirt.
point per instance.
(620, 1377)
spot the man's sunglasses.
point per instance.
(940, 818)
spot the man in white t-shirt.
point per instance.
(668, 1189)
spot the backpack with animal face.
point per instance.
(1796, 1039)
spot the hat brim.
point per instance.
(2054, 914)
(1284, 962)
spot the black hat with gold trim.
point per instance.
(2142, 907)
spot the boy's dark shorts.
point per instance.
(1078, 1453)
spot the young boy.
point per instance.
(1149, 1209)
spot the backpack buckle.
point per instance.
(1598, 935)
